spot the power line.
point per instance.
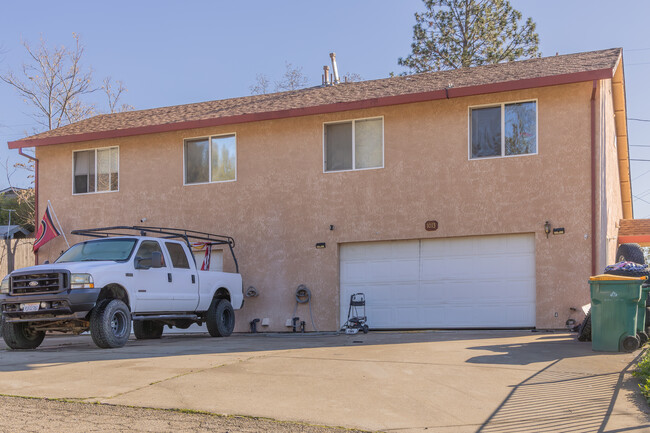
(642, 174)
(636, 118)
(642, 160)
(639, 198)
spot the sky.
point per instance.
(173, 52)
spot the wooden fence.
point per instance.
(21, 254)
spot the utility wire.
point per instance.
(636, 118)
(642, 160)
(639, 198)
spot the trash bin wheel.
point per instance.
(630, 343)
(584, 332)
(643, 338)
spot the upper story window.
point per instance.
(354, 145)
(95, 170)
(211, 159)
(503, 130)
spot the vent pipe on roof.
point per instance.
(335, 69)
(326, 75)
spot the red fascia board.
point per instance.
(634, 239)
(411, 98)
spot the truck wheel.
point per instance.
(147, 329)
(630, 253)
(220, 318)
(21, 336)
(110, 324)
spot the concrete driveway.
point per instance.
(455, 381)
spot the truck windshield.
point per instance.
(105, 249)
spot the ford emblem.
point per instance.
(33, 283)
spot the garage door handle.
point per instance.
(169, 277)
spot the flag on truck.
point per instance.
(205, 266)
(46, 230)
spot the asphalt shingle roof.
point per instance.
(340, 95)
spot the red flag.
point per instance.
(46, 231)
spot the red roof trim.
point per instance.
(323, 109)
(634, 239)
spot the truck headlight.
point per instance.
(81, 281)
(4, 286)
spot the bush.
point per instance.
(643, 373)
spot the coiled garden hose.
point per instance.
(303, 296)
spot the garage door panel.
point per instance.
(483, 281)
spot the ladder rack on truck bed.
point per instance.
(164, 232)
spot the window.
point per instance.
(178, 256)
(503, 130)
(145, 252)
(212, 159)
(95, 170)
(354, 145)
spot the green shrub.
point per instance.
(643, 373)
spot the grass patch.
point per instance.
(642, 371)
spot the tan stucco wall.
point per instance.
(282, 203)
(611, 210)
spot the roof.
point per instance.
(547, 71)
(634, 231)
(12, 230)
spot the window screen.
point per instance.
(520, 128)
(224, 158)
(486, 132)
(354, 145)
(177, 255)
(96, 170)
(197, 161)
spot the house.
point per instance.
(476, 198)
(13, 231)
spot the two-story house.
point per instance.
(476, 198)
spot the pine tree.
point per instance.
(454, 34)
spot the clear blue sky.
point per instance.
(173, 52)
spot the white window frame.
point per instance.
(354, 160)
(209, 138)
(96, 173)
(503, 135)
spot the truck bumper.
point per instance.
(56, 306)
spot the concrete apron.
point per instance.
(453, 381)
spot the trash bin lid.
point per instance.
(609, 277)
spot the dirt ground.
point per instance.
(39, 415)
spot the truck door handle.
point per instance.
(169, 277)
(193, 279)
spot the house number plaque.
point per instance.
(431, 226)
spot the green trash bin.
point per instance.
(640, 315)
(614, 310)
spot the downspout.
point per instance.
(20, 152)
(594, 258)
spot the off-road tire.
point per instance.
(584, 333)
(630, 253)
(20, 336)
(220, 318)
(147, 329)
(110, 324)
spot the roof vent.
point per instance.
(335, 69)
(326, 76)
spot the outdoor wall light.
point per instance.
(547, 228)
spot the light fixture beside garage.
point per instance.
(547, 228)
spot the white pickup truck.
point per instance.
(148, 277)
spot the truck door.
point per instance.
(185, 281)
(153, 288)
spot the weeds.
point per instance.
(643, 373)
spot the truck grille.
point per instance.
(29, 284)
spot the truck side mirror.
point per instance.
(156, 259)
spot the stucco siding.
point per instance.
(282, 202)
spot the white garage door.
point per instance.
(469, 282)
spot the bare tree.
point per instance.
(113, 92)
(53, 82)
(261, 85)
(352, 77)
(292, 79)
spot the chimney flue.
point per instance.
(335, 69)
(326, 75)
